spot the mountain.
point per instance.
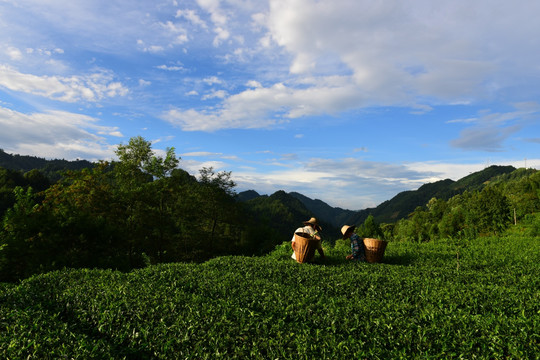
(477, 180)
(400, 206)
(247, 195)
(50, 168)
(284, 213)
(334, 215)
(288, 210)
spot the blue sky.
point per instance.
(347, 101)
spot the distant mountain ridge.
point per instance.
(334, 215)
(400, 206)
(287, 210)
(50, 168)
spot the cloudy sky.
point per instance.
(347, 101)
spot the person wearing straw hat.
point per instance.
(312, 228)
(357, 243)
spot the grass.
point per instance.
(416, 304)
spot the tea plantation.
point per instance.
(423, 302)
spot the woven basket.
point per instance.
(374, 249)
(304, 247)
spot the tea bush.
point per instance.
(421, 302)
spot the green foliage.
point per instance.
(370, 229)
(52, 169)
(490, 211)
(404, 203)
(143, 209)
(10, 179)
(476, 181)
(334, 216)
(22, 242)
(140, 210)
(281, 213)
(414, 305)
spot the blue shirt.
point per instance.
(357, 247)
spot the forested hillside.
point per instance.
(137, 211)
(334, 215)
(483, 203)
(143, 209)
(50, 168)
(404, 203)
(284, 213)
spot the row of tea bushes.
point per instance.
(421, 302)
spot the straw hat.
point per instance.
(346, 228)
(313, 221)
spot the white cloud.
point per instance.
(344, 182)
(211, 80)
(445, 50)
(200, 153)
(193, 166)
(253, 84)
(176, 31)
(92, 87)
(464, 121)
(456, 171)
(55, 134)
(490, 130)
(484, 138)
(386, 53)
(221, 35)
(349, 183)
(259, 107)
(354, 54)
(218, 17)
(193, 17)
(153, 49)
(14, 53)
(192, 120)
(144, 83)
(220, 94)
(171, 67)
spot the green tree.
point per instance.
(452, 223)
(25, 247)
(9, 180)
(216, 199)
(143, 199)
(489, 211)
(87, 219)
(370, 229)
(404, 230)
(37, 180)
(523, 194)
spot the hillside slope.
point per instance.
(401, 205)
(414, 305)
(50, 168)
(284, 213)
(281, 210)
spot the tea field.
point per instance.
(422, 302)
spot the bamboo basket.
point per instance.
(304, 247)
(374, 249)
